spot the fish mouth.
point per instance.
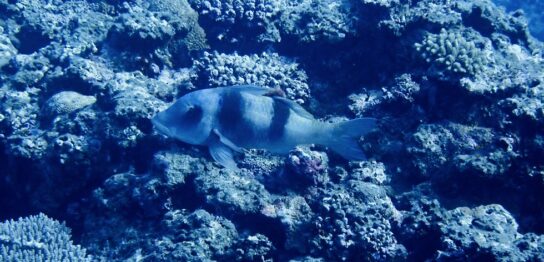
(157, 123)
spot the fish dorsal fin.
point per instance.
(222, 153)
(258, 91)
(251, 89)
(295, 107)
(277, 94)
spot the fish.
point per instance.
(230, 119)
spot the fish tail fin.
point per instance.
(343, 137)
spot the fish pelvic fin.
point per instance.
(222, 151)
(226, 141)
(344, 136)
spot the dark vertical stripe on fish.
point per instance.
(279, 120)
(231, 117)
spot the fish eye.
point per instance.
(192, 115)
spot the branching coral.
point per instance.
(38, 238)
(450, 51)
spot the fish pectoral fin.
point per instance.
(221, 153)
(295, 107)
(227, 142)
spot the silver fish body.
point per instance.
(227, 119)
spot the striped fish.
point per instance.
(228, 119)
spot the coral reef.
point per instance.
(312, 20)
(257, 17)
(66, 102)
(38, 238)
(7, 50)
(490, 230)
(452, 53)
(483, 232)
(311, 166)
(346, 231)
(271, 21)
(454, 168)
(267, 70)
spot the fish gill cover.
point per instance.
(455, 169)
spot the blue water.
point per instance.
(453, 169)
(531, 11)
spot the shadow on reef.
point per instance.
(15, 203)
(30, 40)
(472, 190)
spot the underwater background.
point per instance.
(455, 169)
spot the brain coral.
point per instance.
(66, 102)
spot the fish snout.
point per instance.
(159, 122)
